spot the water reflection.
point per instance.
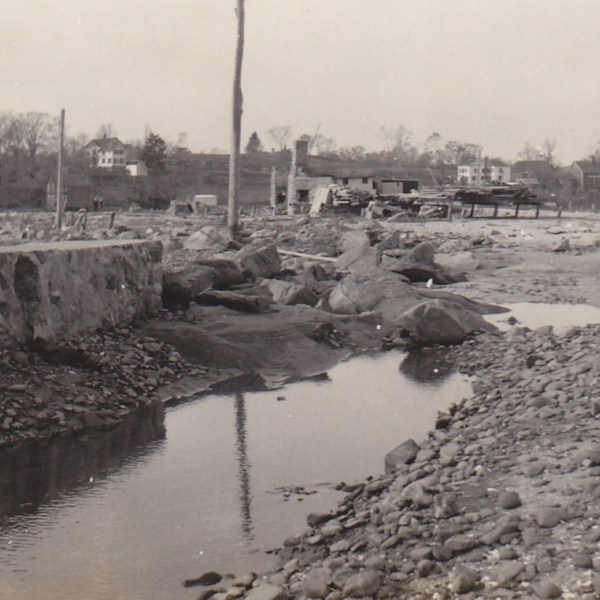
(213, 494)
(427, 366)
(33, 474)
(243, 465)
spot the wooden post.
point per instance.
(291, 189)
(233, 215)
(59, 175)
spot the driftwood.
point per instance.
(304, 255)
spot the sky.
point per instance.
(498, 73)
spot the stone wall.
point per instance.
(54, 291)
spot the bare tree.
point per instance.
(281, 135)
(106, 130)
(36, 130)
(398, 142)
(460, 153)
(13, 139)
(548, 148)
(234, 158)
(352, 153)
(5, 124)
(322, 144)
(528, 152)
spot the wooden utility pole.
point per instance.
(234, 159)
(59, 175)
(273, 189)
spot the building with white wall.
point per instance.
(482, 172)
(106, 153)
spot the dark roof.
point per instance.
(483, 163)
(317, 167)
(588, 167)
(106, 143)
(539, 169)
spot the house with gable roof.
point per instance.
(106, 153)
(585, 175)
(540, 176)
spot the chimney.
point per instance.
(301, 153)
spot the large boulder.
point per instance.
(403, 454)
(287, 292)
(390, 242)
(226, 272)
(440, 322)
(360, 292)
(260, 262)
(182, 286)
(209, 238)
(422, 254)
(454, 245)
(353, 239)
(419, 266)
(360, 259)
(459, 262)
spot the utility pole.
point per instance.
(273, 189)
(59, 174)
(233, 215)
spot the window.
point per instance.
(345, 181)
(365, 180)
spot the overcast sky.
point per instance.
(493, 72)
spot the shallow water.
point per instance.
(539, 314)
(132, 513)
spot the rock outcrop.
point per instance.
(53, 291)
(440, 322)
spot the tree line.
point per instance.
(400, 149)
(29, 146)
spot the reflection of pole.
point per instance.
(243, 464)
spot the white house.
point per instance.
(482, 172)
(106, 153)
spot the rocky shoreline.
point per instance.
(500, 501)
